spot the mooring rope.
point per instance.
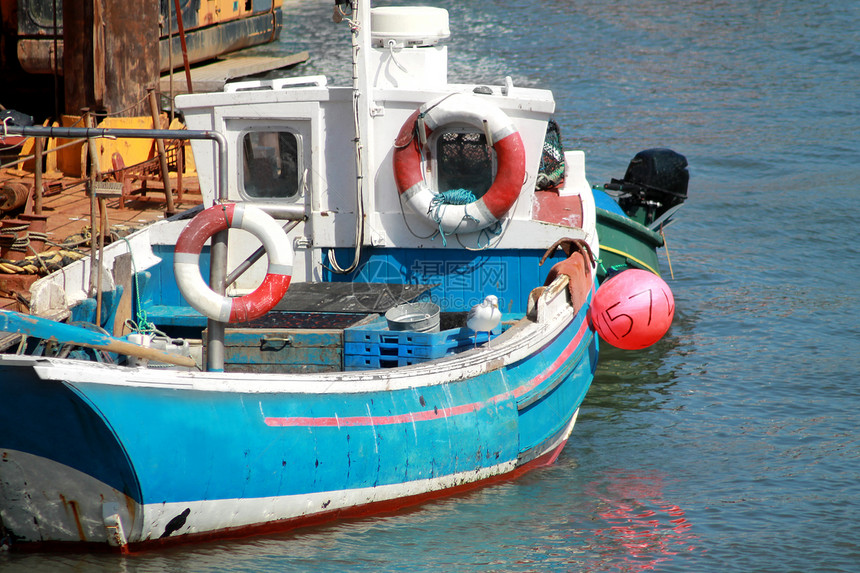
(142, 324)
(10, 240)
(43, 263)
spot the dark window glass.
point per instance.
(271, 164)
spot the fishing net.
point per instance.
(551, 172)
(465, 161)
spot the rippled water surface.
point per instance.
(732, 445)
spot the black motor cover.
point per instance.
(656, 179)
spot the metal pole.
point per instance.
(162, 155)
(218, 252)
(37, 177)
(95, 287)
(184, 47)
(218, 283)
(170, 56)
(102, 224)
(112, 133)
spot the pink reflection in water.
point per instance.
(642, 529)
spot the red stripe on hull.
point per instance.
(436, 413)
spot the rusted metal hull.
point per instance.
(209, 32)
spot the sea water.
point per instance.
(731, 445)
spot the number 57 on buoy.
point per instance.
(633, 309)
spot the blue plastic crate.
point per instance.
(363, 362)
(377, 332)
(375, 346)
(396, 348)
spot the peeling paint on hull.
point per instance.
(194, 456)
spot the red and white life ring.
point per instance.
(507, 143)
(187, 259)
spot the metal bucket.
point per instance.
(414, 316)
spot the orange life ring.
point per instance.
(187, 258)
(416, 192)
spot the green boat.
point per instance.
(632, 212)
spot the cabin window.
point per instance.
(271, 161)
(464, 161)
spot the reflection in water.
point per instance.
(641, 528)
(636, 380)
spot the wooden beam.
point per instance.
(78, 53)
(37, 327)
(110, 55)
(131, 55)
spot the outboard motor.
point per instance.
(654, 186)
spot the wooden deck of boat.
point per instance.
(67, 207)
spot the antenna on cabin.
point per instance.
(359, 24)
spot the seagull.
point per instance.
(484, 316)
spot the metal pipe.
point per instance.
(95, 287)
(218, 252)
(218, 274)
(184, 47)
(103, 222)
(218, 283)
(254, 257)
(115, 133)
(292, 212)
(37, 177)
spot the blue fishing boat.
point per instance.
(332, 373)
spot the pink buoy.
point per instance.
(633, 309)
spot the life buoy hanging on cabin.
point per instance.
(187, 258)
(417, 193)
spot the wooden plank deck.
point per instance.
(67, 204)
(67, 208)
(212, 77)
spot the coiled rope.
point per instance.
(459, 197)
(445, 198)
(41, 264)
(10, 239)
(47, 262)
